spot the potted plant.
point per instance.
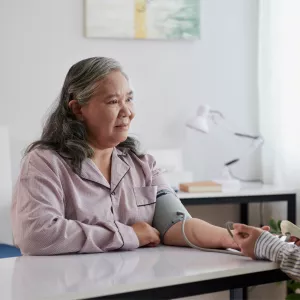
(293, 287)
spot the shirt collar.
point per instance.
(119, 168)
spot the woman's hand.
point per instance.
(147, 235)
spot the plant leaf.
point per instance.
(293, 297)
(294, 286)
(273, 225)
(289, 284)
(278, 225)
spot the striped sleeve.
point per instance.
(287, 255)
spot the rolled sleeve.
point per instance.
(286, 254)
(268, 246)
(130, 239)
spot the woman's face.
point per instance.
(108, 113)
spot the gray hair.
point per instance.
(65, 134)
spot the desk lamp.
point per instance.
(201, 123)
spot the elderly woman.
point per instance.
(84, 186)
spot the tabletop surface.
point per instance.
(68, 277)
(247, 190)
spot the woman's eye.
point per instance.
(113, 102)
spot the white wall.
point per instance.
(40, 40)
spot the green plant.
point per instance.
(275, 226)
(292, 285)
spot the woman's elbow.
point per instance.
(36, 244)
(29, 246)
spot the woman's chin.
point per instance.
(122, 137)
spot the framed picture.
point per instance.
(142, 19)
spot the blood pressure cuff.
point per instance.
(166, 209)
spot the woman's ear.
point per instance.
(76, 109)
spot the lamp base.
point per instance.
(229, 184)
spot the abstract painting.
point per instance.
(143, 19)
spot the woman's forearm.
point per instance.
(200, 233)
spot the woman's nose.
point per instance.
(125, 112)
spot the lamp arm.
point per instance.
(253, 137)
(231, 162)
(259, 143)
(215, 115)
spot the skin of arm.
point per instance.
(201, 234)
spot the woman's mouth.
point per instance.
(123, 126)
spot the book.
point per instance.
(200, 187)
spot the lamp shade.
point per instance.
(200, 121)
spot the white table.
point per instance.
(251, 194)
(162, 272)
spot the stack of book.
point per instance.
(200, 187)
